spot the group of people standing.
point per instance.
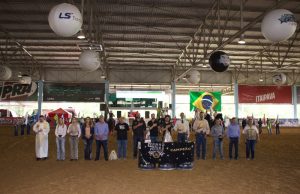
(202, 129)
(155, 130)
(86, 131)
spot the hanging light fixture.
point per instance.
(242, 40)
(261, 79)
(242, 37)
(102, 76)
(81, 35)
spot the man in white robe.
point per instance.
(41, 128)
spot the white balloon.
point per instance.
(25, 79)
(278, 25)
(33, 88)
(65, 19)
(279, 79)
(5, 73)
(194, 77)
(89, 60)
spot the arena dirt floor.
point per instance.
(276, 169)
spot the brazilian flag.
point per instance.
(205, 100)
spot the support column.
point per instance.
(173, 86)
(236, 100)
(106, 88)
(106, 98)
(40, 96)
(295, 100)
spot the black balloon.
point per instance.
(219, 61)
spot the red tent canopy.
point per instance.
(59, 112)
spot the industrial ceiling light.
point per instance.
(102, 76)
(19, 74)
(81, 35)
(261, 70)
(242, 40)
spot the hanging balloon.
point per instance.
(65, 19)
(89, 60)
(5, 73)
(279, 79)
(219, 61)
(25, 79)
(278, 25)
(194, 77)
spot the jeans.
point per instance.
(135, 144)
(181, 137)
(88, 144)
(200, 142)
(16, 127)
(122, 147)
(74, 147)
(270, 130)
(22, 129)
(277, 130)
(154, 139)
(260, 129)
(102, 143)
(28, 129)
(60, 144)
(218, 144)
(250, 148)
(234, 141)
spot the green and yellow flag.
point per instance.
(205, 100)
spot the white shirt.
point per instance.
(61, 130)
(201, 126)
(182, 127)
(251, 136)
(72, 129)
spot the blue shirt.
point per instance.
(217, 131)
(233, 130)
(101, 131)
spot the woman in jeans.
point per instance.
(217, 132)
(60, 133)
(87, 131)
(74, 132)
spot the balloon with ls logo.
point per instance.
(65, 19)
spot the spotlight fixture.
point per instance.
(81, 35)
(19, 75)
(242, 40)
(261, 79)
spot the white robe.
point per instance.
(41, 139)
